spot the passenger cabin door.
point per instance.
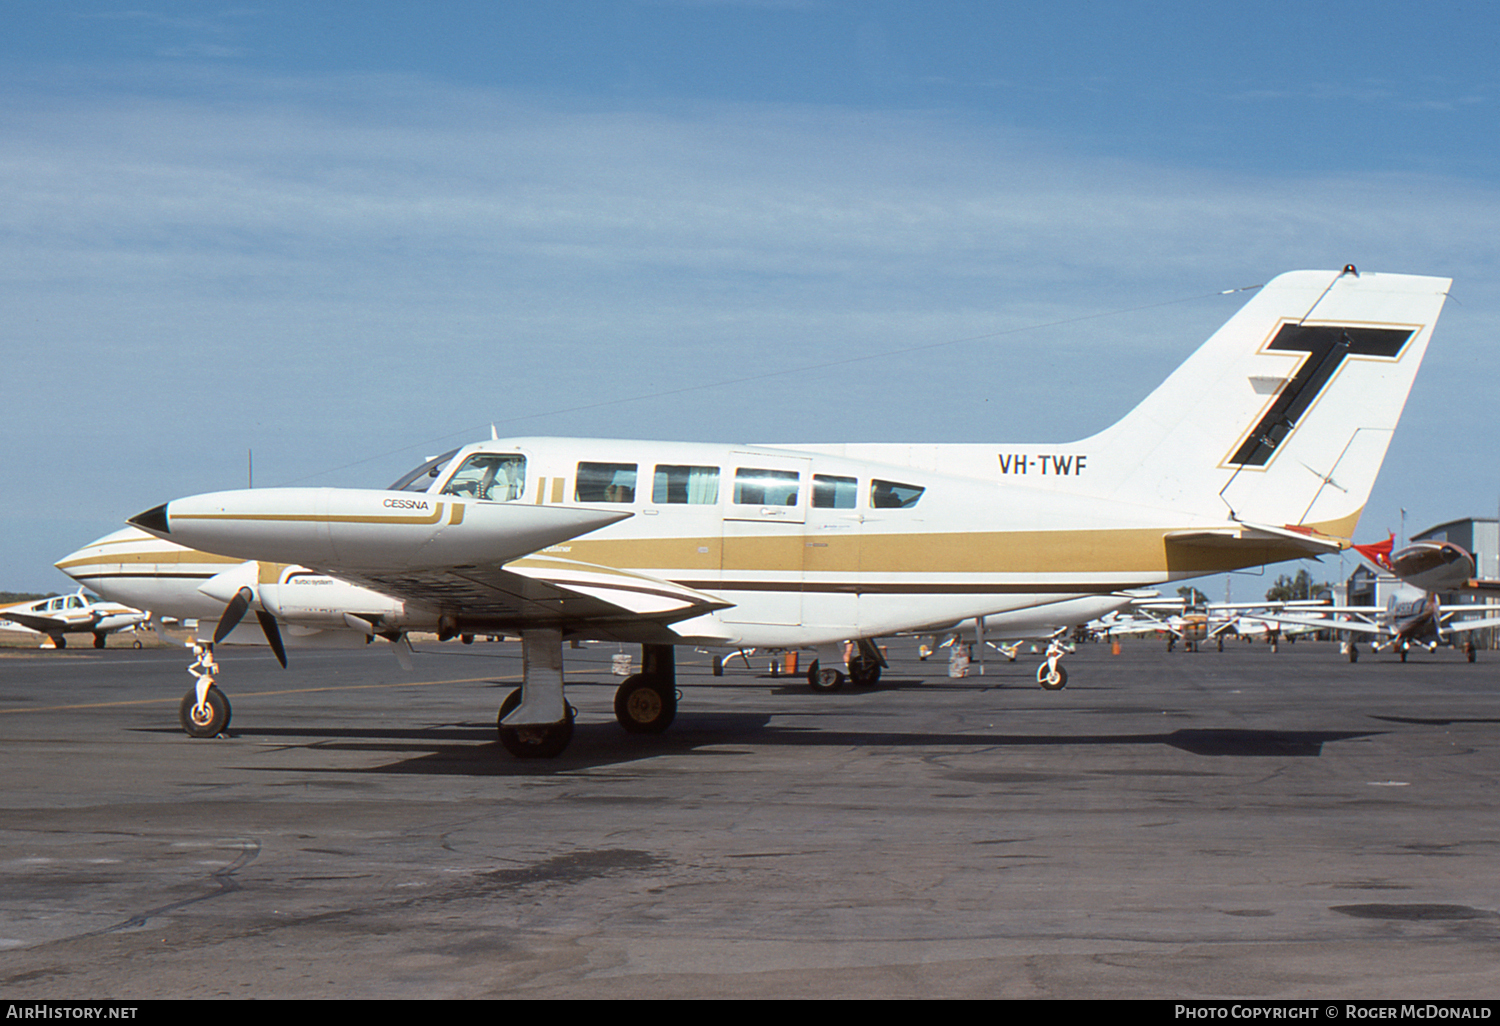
(765, 510)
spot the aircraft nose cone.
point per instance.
(153, 520)
(68, 564)
(76, 564)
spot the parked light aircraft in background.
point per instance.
(61, 615)
(1413, 615)
(1192, 623)
(1262, 446)
(1053, 623)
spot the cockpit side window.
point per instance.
(605, 482)
(894, 495)
(421, 479)
(489, 477)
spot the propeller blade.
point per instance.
(233, 614)
(160, 630)
(273, 635)
(402, 648)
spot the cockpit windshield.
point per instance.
(490, 476)
(421, 479)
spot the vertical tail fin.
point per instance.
(1283, 416)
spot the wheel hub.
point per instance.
(644, 705)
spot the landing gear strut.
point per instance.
(865, 667)
(535, 722)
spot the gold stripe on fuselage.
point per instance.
(311, 518)
(1141, 552)
(160, 557)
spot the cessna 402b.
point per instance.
(1263, 446)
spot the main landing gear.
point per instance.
(646, 703)
(533, 741)
(535, 722)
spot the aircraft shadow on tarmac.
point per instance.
(471, 749)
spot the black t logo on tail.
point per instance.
(1327, 345)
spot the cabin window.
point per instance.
(421, 479)
(605, 482)
(489, 476)
(694, 486)
(757, 487)
(894, 495)
(831, 492)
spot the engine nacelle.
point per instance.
(353, 528)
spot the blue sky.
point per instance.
(346, 236)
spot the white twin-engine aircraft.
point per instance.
(1262, 447)
(60, 615)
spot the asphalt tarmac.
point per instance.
(1184, 826)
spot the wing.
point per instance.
(1327, 623)
(470, 567)
(545, 592)
(41, 624)
(1455, 625)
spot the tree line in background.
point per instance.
(1293, 589)
(9, 597)
(1286, 589)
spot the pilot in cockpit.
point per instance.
(490, 477)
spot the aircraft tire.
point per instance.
(824, 680)
(98, 641)
(546, 741)
(864, 671)
(644, 705)
(198, 725)
(1052, 681)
